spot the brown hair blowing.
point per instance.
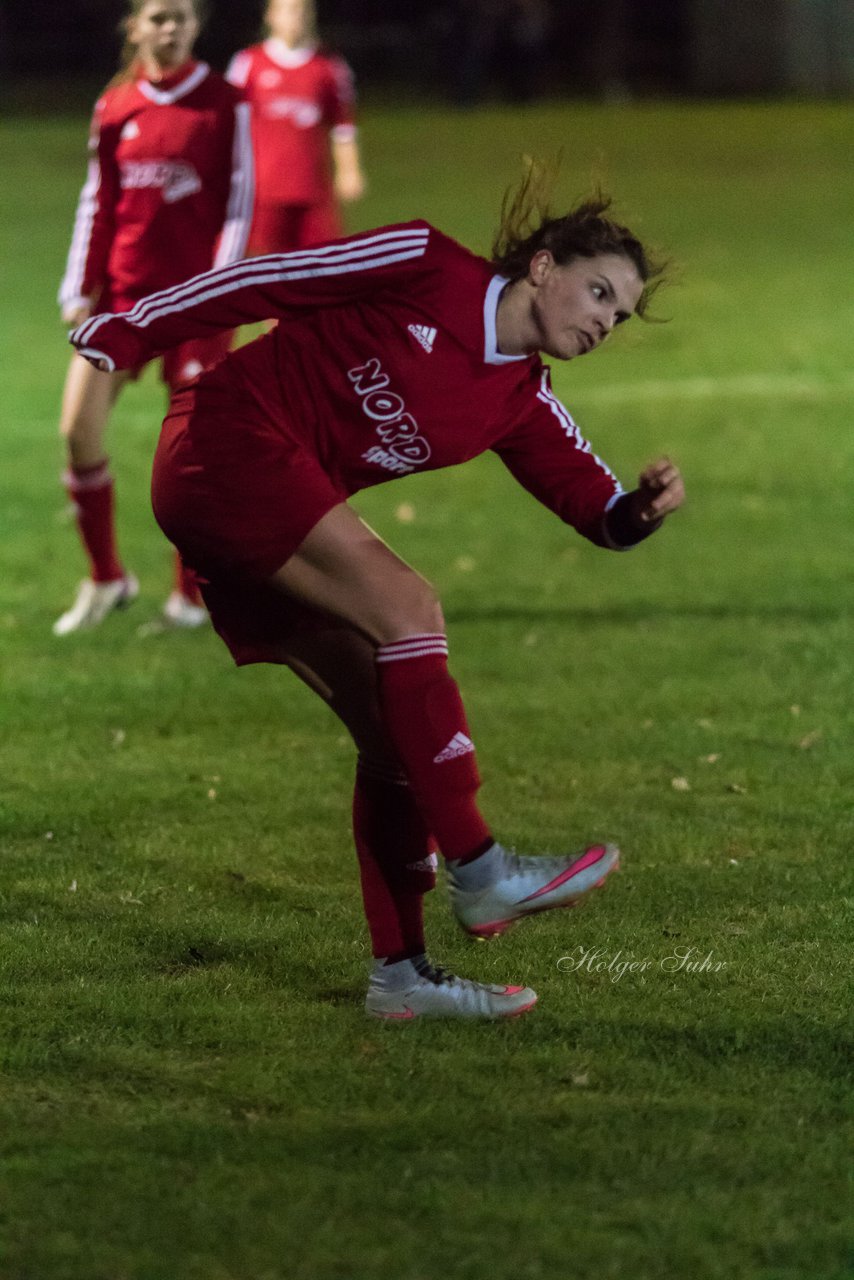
(527, 226)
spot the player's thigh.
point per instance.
(345, 569)
(87, 400)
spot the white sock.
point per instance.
(394, 977)
(480, 872)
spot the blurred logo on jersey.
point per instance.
(175, 178)
(131, 130)
(302, 112)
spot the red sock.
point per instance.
(425, 718)
(91, 491)
(186, 581)
(397, 863)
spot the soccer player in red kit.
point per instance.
(168, 193)
(306, 150)
(396, 351)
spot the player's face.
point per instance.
(577, 306)
(289, 20)
(164, 32)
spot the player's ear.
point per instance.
(540, 266)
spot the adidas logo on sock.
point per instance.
(459, 745)
(424, 334)
(430, 863)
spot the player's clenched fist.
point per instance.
(660, 491)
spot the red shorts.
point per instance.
(237, 494)
(279, 228)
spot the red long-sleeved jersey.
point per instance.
(300, 98)
(169, 188)
(384, 362)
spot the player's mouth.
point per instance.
(585, 341)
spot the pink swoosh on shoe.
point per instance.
(407, 1013)
(588, 859)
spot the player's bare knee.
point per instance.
(416, 612)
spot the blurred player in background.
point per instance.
(168, 194)
(397, 351)
(306, 152)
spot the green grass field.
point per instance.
(189, 1089)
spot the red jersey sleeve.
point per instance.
(260, 289)
(341, 100)
(549, 457)
(94, 222)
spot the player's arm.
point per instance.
(94, 227)
(238, 214)
(349, 179)
(259, 289)
(547, 454)
(340, 113)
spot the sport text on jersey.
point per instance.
(176, 178)
(404, 448)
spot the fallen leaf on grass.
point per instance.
(704, 723)
(736, 788)
(810, 739)
(712, 758)
(405, 513)
(582, 1080)
(72, 888)
(465, 564)
(118, 737)
(153, 628)
(680, 784)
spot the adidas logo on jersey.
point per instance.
(459, 745)
(423, 334)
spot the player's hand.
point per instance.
(660, 491)
(75, 313)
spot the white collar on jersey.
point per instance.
(491, 354)
(163, 97)
(287, 57)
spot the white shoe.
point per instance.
(417, 989)
(94, 601)
(181, 612)
(492, 892)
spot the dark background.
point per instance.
(465, 50)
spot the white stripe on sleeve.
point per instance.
(71, 289)
(238, 217)
(569, 428)
(364, 253)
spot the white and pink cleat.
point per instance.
(492, 892)
(411, 989)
